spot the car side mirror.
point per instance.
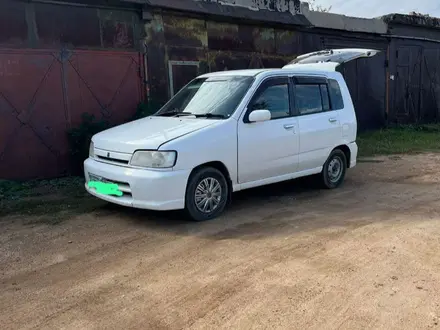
(259, 115)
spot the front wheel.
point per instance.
(334, 169)
(206, 194)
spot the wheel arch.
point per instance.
(220, 166)
(346, 150)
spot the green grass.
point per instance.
(400, 140)
(46, 201)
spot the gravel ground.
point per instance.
(287, 256)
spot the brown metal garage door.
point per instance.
(43, 93)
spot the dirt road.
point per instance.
(365, 256)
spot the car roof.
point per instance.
(249, 73)
(312, 68)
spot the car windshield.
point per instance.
(214, 97)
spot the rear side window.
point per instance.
(312, 98)
(308, 99)
(335, 95)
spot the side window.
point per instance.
(312, 98)
(335, 95)
(273, 97)
(308, 99)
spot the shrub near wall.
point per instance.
(79, 137)
(79, 140)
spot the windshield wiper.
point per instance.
(175, 112)
(184, 114)
(209, 115)
(178, 113)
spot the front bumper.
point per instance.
(142, 188)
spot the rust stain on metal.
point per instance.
(272, 5)
(157, 58)
(188, 32)
(215, 46)
(231, 60)
(264, 40)
(186, 53)
(287, 42)
(413, 19)
(223, 36)
(154, 29)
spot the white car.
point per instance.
(229, 131)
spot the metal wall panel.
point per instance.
(408, 82)
(415, 89)
(215, 46)
(430, 89)
(220, 46)
(43, 93)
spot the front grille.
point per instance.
(113, 160)
(112, 157)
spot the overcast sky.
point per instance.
(375, 8)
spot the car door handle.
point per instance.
(289, 126)
(332, 120)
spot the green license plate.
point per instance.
(105, 188)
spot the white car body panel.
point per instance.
(217, 143)
(254, 154)
(147, 133)
(145, 189)
(280, 145)
(318, 137)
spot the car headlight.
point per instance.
(92, 150)
(154, 159)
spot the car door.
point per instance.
(268, 149)
(319, 126)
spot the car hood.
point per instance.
(147, 133)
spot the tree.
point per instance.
(315, 7)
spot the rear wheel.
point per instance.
(206, 194)
(334, 169)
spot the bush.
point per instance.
(146, 109)
(79, 139)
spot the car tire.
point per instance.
(334, 169)
(207, 194)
